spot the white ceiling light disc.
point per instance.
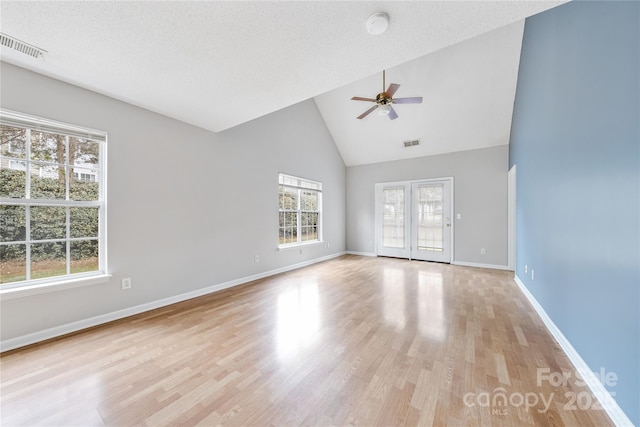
(378, 23)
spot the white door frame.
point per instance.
(408, 225)
(511, 219)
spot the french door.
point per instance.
(413, 220)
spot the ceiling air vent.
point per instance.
(22, 47)
(411, 143)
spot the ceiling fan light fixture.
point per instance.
(378, 23)
(384, 100)
(384, 109)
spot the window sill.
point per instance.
(41, 288)
(300, 245)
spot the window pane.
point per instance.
(84, 256)
(299, 205)
(48, 260)
(13, 142)
(84, 152)
(288, 219)
(288, 198)
(47, 182)
(48, 222)
(312, 218)
(13, 263)
(47, 147)
(288, 235)
(309, 233)
(13, 179)
(84, 184)
(60, 168)
(309, 201)
(83, 222)
(12, 223)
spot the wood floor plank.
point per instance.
(350, 341)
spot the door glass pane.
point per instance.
(393, 218)
(430, 222)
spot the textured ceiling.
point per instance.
(218, 64)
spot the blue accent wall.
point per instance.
(575, 139)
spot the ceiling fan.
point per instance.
(384, 100)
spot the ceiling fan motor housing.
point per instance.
(383, 99)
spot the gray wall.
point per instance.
(480, 196)
(576, 143)
(187, 208)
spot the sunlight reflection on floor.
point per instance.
(431, 305)
(394, 298)
(298, 319)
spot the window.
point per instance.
(300, 210)
(52, 201)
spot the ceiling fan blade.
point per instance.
(412, 100)
(393, 87)
(392, 114)
(358, 98)
(366, 113)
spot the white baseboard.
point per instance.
(461, 263)
(479, 265)
(21, 341)
(607, 402)
(361, 253)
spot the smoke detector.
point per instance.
(20, 46)
(378, 23)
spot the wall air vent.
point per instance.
(20, 46)
(411, 143)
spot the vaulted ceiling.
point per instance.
(218, 64)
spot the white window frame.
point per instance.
(70, 280)
(300, 184)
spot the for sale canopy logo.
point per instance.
(500, 401)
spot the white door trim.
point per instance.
(511, 218)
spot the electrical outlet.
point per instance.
(483, 251)
(256, 258)
(126, 283)
(526, 269)
(328, 245)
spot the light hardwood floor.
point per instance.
(350, 341)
